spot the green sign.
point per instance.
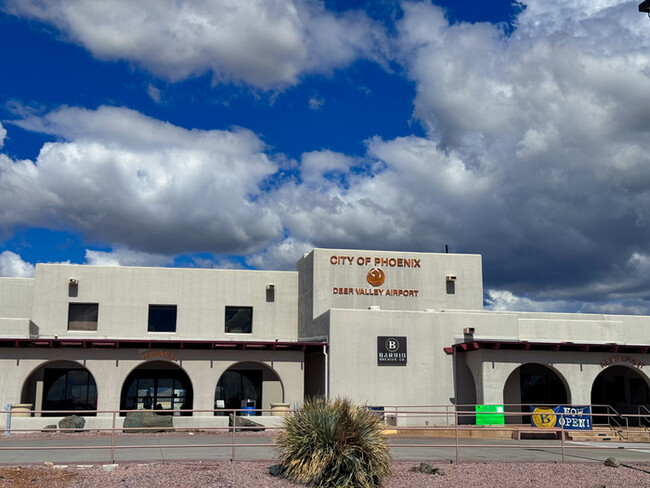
(490, 415)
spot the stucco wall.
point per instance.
(16, 297)
(110, 369)
(339, 280)
(201, 295)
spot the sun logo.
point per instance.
(376, 276)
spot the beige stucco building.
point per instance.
(382, 328)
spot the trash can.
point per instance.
(248, 407)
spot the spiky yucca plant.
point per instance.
(334, 444)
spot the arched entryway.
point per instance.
(533, 384)
(622, 388)
(465, 394)
(248, 384)
(158, 385)
(60, 385)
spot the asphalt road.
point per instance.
(161, 447)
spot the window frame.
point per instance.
(160, 308)
(82, 328)
(235, 308)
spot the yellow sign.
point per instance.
(544, 417)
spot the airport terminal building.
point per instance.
(381, 328)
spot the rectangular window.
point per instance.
(239, 320)
(82, 316)
(162, 318)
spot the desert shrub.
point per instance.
(334, 444)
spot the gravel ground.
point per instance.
(227, 474)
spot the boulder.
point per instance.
(277, 470)
(246, 424)
(612, 462)
(426, 468)
(142, 421)
(72, 422)
(49, 427)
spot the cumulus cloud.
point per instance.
(536, 155)
(281, 255)
(263, 43)
(126, 257)
(11, 264)
(3, 134)
(123, 178)
(549, 130)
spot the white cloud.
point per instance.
(317, 165)
(133, 181)
(154, 93)
(281, 255)
(126, 257)
(11, 264)
(316, 103)
(261, 42)
(3, 134)
(504, 300)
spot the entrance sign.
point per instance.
(569, 418)
(622, 359)
(490, 415)
(391, 351)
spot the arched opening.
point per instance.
(465, 393)
(61, 385)
(157, 385)
(622, 388)
(532, 384)
(248, 385)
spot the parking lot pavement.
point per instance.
(96, 449)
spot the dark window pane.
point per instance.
(162, 318)
(239, 320)
(82, 316)
(157, 389)
(72, 389)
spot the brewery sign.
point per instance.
(391, 351)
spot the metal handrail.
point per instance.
(644, 417)
(231, 440)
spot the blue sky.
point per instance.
(243, 134)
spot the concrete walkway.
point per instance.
(96, 449)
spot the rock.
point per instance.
(137, 422)
(612, 462)
(426, 468)
(50, 427)
(48, 464)
(247, 424)
(72, 422)
(277, 470)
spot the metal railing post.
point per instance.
(113, 440)
(456, 421)
(8, 419)
(562, 437)
(234, 429)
